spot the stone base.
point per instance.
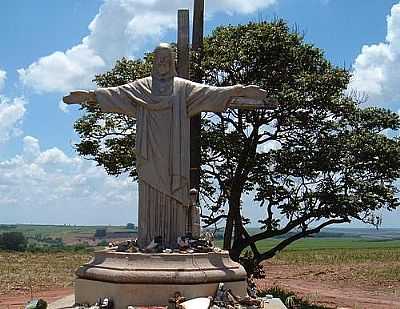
(124, 295)
(151, 279)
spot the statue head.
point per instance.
(164, 62)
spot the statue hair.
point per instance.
(165, 47)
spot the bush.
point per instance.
(37, 248)
(289, 299)
(14, 241)
(103, 243)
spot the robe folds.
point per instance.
(163, 147)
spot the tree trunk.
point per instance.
(234, 208)
(228, 230)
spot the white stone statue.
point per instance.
(163, 105)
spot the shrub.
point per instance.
(14, 241)
(289, 298)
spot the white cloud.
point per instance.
(376, 71)
(3, 77)
(44, 178)
(63, 107)
(63, 71)
(121, 28)
(239, 6)
(11, 115)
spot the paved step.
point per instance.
(66, 302)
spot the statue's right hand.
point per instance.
(76, 97)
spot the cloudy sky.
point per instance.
(50, 47)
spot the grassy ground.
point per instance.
(56, 231)
(365, 264)
(19, 271)
(340, 256)
(332, 243)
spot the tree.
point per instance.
(317, 159)
(14, 241)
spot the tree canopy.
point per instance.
(319, 158)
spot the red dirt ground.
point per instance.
(332, 286)
(18, 301)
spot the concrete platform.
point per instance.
(141, 279)
(124, 295)
(68, 302)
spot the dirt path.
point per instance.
(332, 287)
(18, 301)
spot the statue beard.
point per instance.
(163, 84)
(170, 74)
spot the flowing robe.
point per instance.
(163, 147)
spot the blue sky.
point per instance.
(50, 47)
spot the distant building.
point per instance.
(131, 226)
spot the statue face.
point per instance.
(163, 62)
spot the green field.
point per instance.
(332, 243)
(54, 231)
(330, 239)
(327, 243)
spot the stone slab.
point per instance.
(275, 303)
(63, 303)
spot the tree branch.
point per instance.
(211, 221)
(283, 244)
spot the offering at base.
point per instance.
(196, 303)
(251, 287)
(36, 304)
(184, 244)
(222, 299)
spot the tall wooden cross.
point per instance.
(183, 69)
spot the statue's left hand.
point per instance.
(79, 96)
(253, 92)
(251, 97)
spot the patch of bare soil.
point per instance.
(19, 301)
(333, 286)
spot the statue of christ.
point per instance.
(163, 105)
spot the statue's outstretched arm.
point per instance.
(204, 98)
(79, 97)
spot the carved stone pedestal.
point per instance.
(151, 279)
